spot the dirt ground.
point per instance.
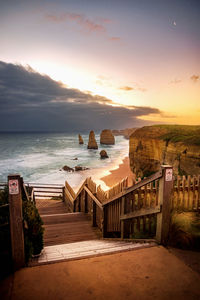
(153, 273)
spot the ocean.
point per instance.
(39, 157)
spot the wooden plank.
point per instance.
(193, 192)
(140, 213)
(122, 213)
(93, 197)
(135, 187)
(188, 198)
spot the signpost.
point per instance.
(16, 221)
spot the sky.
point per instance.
(86, 64)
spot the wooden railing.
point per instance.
(186, 193)
(41, 191)
(126, 212)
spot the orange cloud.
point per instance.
(84, 22)
(114, 38)
(126, 88)
(194, 78)
(77, 18)
(175, 81)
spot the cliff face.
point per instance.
(107, 137)
(152, 146)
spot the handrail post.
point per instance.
(163, 218)
(63, 193)
(16, 220)
(122, 221)
(94, 213)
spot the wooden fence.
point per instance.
(186, 193)
(131, 212)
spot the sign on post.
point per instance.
(168, 175)
(13, 187)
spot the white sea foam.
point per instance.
(40, 157)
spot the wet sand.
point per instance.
(118, 174)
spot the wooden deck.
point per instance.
(62, 227)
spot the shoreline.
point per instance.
(116, 175)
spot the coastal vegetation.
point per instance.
(33, 231)
(189, 135)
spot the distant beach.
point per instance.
(116, 175)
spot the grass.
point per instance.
(180, 133)
(185, 230)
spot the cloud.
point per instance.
(129, 88)
(32, 101)
(194, 78)
(126, 88)
(114, 38)
(83, 22)
(79, 19)
(175, 81)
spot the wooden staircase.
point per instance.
(62, 227)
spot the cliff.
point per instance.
(92, 144)
(107, 137)
(176, 145)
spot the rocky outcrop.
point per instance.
(107, 137)
(80, 140)
(152, 146)
(92, 144)
(103, 154)
(79, 168)
(68, 169)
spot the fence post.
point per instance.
(163, 218)
(94, 212)
(63, 193)
(122, 221)
(16, 220)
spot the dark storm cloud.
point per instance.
(32, 101)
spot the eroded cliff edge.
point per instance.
(177, 145)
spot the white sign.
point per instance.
(168, 175)
(13, 187)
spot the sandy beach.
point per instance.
(118, 174)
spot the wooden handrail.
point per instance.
(141, 212)
(135, 187)
(93, 197)
(25, 191)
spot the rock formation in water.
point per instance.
(80, 139)
(107, 137)
(80, 168)
(92, 144)
(103, 154)
(68, 169)
(176, 145)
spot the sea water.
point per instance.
(39, 157)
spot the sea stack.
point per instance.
(92, 144)
(103, 154)
(80, 140)
(107, 137)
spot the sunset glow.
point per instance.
(136, 53)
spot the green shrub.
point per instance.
(33, 230)
(185, 230)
